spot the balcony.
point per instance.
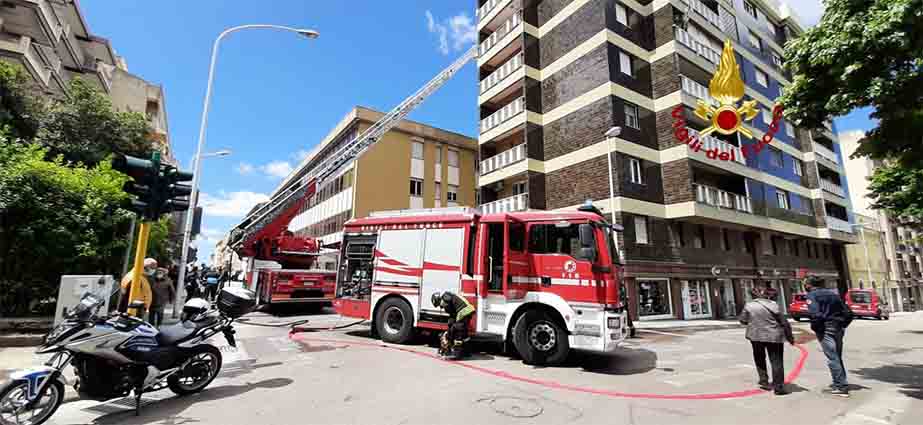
(699, 47)
(500, 40)
(503, 115)
(703, 10)
(833, 188)
(509, 67)
(26, 51)
(841, 225)
(503, 159)
(487, 7)
(709, 142)
(696, 90)
(825, 153)
(510, 204)
(722, 199)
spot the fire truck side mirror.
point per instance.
(587, 242)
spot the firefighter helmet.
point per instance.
(436, 299)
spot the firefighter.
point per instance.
(460, 312)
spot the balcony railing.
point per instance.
(695, 89)
(701, 48)
(838, 224)
(832, 187)
(510, 66)
(487, 7)
(503, 159)
(511, 204)
(50, 18)
(702, 9)
(505, 113)
(511, 24)
(723, 199)
(825, 152)
(709, 142)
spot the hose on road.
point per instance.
(273, 325)
(296, 325)
(299, 329)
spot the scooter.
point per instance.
(119, 354)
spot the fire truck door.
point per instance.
(442, 260)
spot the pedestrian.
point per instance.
(163, 295)
(211, 284)
(830, 316)
(150, 265)
(767, 330)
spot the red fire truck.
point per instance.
(542, 282)
(285, 286)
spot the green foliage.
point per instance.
(866, 53)
(20, 114)
(84, 128)
(900, 189)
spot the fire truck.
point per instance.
(543, 282)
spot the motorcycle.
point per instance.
(116, 355)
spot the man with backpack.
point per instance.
(829, 318)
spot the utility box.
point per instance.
(73, 287)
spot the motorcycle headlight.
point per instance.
(58, 332)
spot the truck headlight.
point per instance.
(614, 322)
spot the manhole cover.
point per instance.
(515, 407)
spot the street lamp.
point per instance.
(611, 134)
(196, 169)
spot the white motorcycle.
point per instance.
(116, 355)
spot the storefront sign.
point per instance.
(727, 118)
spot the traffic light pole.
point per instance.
(134, 293)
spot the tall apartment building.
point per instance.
(52, 42)
(131, 93)
(902, 244)
(555, 75)
(412, 166)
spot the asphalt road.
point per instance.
(688, 377)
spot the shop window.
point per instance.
(654, 299)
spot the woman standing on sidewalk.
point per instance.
(766, 330)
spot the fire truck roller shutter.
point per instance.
(399, 256)
(441, 265)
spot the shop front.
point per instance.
(654, 300)
(696, 299)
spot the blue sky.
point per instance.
(277, 94)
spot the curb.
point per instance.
(21, 340)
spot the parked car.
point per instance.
(867, 303)
(798, 309)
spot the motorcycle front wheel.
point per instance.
(202, 368)
(13, 399)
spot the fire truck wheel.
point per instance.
(394, 321)
(539, 339)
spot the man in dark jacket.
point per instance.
(829, 318)
(766, 329)
(460, 312)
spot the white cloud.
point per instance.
(300, 155)
(212, 236)
(459, 30)
(233, 204)
(245, 169)
(850, 136)
(277, 169)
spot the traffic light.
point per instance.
(158, 188)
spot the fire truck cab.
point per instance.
(543, 282)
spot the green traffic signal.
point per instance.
(156, 187)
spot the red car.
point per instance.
(867, 303)
(798, 309)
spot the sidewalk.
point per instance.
(698, 325)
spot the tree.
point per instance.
(20, 113)
(84, 128)
(867, 53)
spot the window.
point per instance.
(794, 248)
(775, 245)
(550, 239)
(417, 150)
(789, 129)
(452, 194)
(621, 14)
(453, 158)
(631, 116)
(438, 154)
(438, 195)
(755, 41)
(776, 59)
(750, 9)
(775, 157)
(799, 167)
(725, 240)
(676, 234)
(625, 63)
(749, 244)
(641, 230)
(416, 187)
(826, 252)
(517, 236)
(767, 116)
(762, 78)
(782, 199)
(519, 188)
(699, 241)
(634, 166)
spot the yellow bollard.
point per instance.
(134, 292)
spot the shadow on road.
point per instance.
(169, 411)
(912, 332)
(909, 377)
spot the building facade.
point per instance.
(555, 75)
(902, 243)
(131, 93)
(412, 166)
(51, 40)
